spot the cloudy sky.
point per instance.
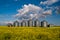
(11, 10)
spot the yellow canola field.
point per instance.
(29, 33)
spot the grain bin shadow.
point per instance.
(42, 37)
(7, 36)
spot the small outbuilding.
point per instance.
(9, 25)
(50, 25)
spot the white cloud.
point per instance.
(49, 2)
(29, 8)
(31, 11)
(47, 12)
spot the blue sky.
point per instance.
(11, 10)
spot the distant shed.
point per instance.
(9, 25)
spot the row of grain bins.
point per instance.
(29, 23)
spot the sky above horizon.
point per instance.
(11, 10)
